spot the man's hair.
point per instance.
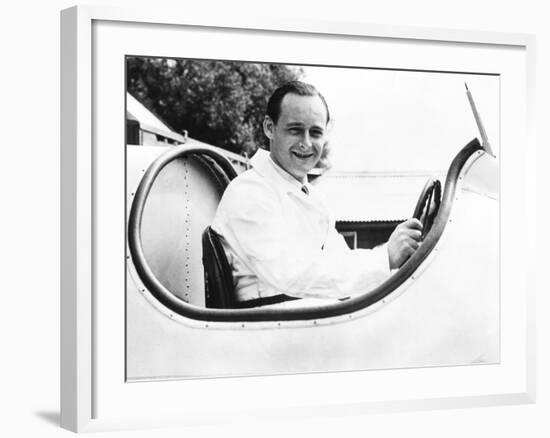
(294, 87)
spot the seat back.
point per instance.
(219, 287)
(181, 202)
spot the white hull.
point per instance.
(447, 313)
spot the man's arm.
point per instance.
(253, 227)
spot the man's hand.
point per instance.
(404, 241)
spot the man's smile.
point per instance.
(302, 156)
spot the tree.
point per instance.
(219, 102)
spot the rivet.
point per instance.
(314, 322)
(242, 325)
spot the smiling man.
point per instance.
(278, 235)
(295, 126)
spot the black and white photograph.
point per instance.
(296, 218)
(246, 219)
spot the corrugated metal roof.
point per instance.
(368, 197)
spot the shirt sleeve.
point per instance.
(251, 225)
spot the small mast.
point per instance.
(484, 141)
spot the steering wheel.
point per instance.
(428, 204)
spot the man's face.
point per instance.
(298, 137)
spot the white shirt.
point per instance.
(281, 240)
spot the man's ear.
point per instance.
(269, 127)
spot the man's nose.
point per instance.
(306, 141)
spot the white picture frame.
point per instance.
(86, 376)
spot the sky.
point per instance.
(402, 121)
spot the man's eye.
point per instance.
(294, 130)
(316, 134)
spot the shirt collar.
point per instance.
(265, 166)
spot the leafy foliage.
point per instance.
(219, 102)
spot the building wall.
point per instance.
(368, 234)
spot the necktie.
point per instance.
(305, 190)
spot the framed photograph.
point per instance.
(185, 302)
